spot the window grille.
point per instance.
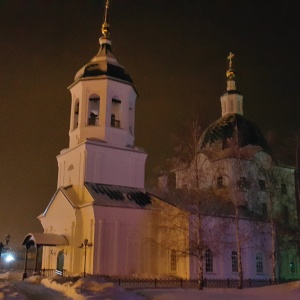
(208, 261)
(234, 261)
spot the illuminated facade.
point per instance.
(102, 221)
(235, 166)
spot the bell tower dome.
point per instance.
(232, 100)
(103, 98)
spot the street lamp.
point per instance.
(7, 239)
(84, 245)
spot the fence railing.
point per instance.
(187, 283)
(140, 283)
(46, 272)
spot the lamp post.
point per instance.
(84, 245)
(7, 239)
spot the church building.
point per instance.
(102, 221)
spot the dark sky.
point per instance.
(175, 51)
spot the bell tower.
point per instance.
(101, 134)
(232, 100)
(103, 98)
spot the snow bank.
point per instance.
(11, 275)
(89, 288)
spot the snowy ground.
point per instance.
(34, 288)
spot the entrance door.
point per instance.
(60, 262)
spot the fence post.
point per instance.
(228, 283)
(154, 282)
(119, 281)
(181, 282)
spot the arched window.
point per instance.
(131, 118)
(285, 214)
(283, 189)
(242, 183)
(209, 261)
(116, 113)
(93, 109)
(220, 182)
(264, 211)
(60, 261)
(234, 261)
(262, 185)
(76, 114)
(292, 265)
(173, 261)
(259, 263)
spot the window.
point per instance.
(220, 182)
(234, 261)
(208, 261)
(242, 183)
(113, 122)
(76, 114)
(131, 118)
(173, 261)
(264, 211)
(93, 112)
(259, 263)
(292, 265)
(283, 189)
(262, 185)
(285, 214)
(115, 113)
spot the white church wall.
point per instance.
(115, 166)
(71, 163)
(59, 218)
(255, 238)
(95, 162)
(122, 241)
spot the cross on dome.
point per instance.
(230, 57)
(105, 26)
(230, 74)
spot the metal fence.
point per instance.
(140, 283)
(45, 272)
(185, 283)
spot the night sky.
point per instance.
(175, 51)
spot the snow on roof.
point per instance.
(120, 196)
(44, 239)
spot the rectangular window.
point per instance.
(234, 261)
(283, 189)
(173, 261)
(208, 261)
(292, 265)
(242, 183)
(262, 185)
(259, 263)
(285, 214)
(220, 182)
(264, 210)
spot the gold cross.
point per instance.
(230, 56)
(106, 9)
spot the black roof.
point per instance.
(104, 63)
(94, 69)
(233, 130)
